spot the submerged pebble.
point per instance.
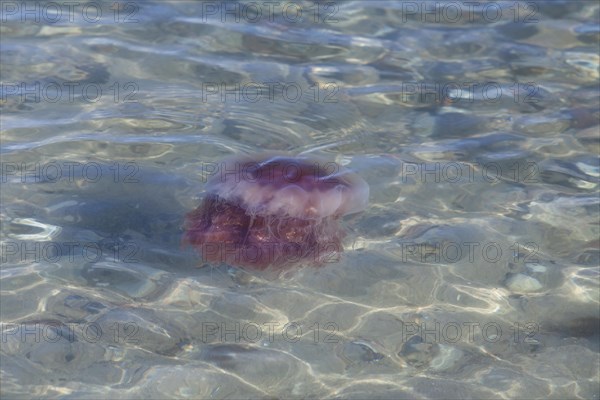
(522, 283)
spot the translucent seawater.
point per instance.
(473, 273)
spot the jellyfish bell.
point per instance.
(274, 210)
(300, 187)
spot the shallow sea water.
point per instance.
(473, 273)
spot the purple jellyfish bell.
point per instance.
(274, 211)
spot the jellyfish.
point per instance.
(274, 211)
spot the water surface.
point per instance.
(472, 274)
